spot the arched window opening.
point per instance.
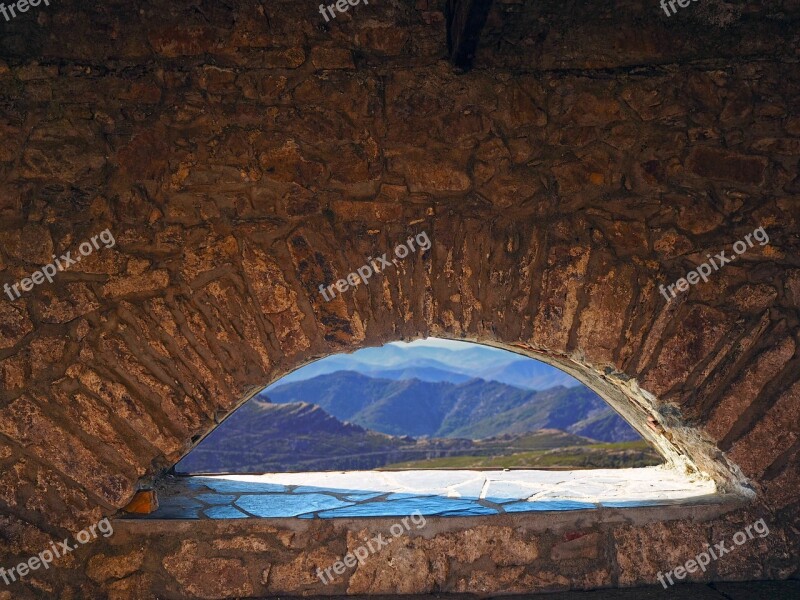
(425, 404)
(445, 427)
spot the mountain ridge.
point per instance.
(434, 364)
(473, 409)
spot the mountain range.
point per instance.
(434, 364)
(262, 437)
(471, 409)
(432, 402)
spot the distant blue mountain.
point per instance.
(529, 374)
(430, 363)
(430, 374)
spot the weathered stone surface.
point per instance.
(585, 546)
(401, 570)
(511, 579)
(14, 324)
(658, 547)
(601, 321)
(747, 387)
(716, 164)
(148, 283)
(502, 544)
(62, 150)
(135, 587)
(209, 578)
(13, 372)
(101, 568)
(562, 284)
(244, 153)
(242, 544)
(787, 146)
(767, 440)
(21, 538)
(745, 561)
(754, 298)
(792, 286)
(696, 332)
(30, 486)
(331, 58)
(781, 491)
(31, 244)
(131, 409)
(422, 175)
(651, 103)
(24, 420)
(300, 574)
(593, 109)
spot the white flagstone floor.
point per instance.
(433, 493)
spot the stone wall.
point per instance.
(243, 155)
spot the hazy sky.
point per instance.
(437, 342)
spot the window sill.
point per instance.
(463, 493)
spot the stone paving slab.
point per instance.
(433, 493)
(288, 505)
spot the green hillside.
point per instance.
(262, 438)
(587, 456)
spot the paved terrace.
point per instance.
(434, 493)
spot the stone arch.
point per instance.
(227, 317)
(176, 341)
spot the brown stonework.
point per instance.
(715, 164)
(242, 154)
(207, 577)
(750, 383)
(102, 568)
(768, 439)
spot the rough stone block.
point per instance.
(641, 552)
(722, 165)
(585, 546)
(747, 387)
(331, 57)
(25, 422)
(205, 577)
(102, 567)
(697, 331)
(778, 430)
(14, 324)
(424, 175)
